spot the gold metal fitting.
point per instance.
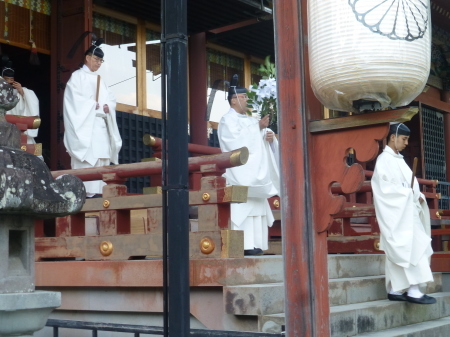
(239, 157)
(206, 196)
(207, 245)
(276, 203)
(106, 203)
(106, 248)
(235, 193)
(376, 244)
(36, 122)
(23, 147)
(438, 214)
(149, 140)
(38, 149)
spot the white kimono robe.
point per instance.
(260, 174)
(91, 137)
(404, 222)
(28, 105)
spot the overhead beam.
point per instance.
(234, 26)
(244, 29)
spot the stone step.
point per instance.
(269, 268)
(355, 265)
(369, 288)
(354, 319)
(254, 299)
(436, 328)
(268, 298)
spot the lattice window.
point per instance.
(223, 66)
(114, 31)
(434, 149)
(255, 73)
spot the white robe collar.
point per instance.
(389, 150)
(89, 71)
(238, 114)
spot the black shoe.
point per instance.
(402, 297)
(425, 299)
(255, 251)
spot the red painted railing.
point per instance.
(110, 216)
(355, 229)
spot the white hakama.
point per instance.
(260, 174)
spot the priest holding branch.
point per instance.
(260, 173)
(404, 219)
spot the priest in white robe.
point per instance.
(28, 104)
(404, 219)
(91, 136)
(260, 173)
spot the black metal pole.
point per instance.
(164, 173)
(175, 22)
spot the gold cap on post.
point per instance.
(36, 123)
(149, 140)
(239, 157)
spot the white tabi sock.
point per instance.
(414, 291)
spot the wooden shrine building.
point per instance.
(106, 260)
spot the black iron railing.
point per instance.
(137, 330)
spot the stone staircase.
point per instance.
(358, 304)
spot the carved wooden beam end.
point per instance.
(328, 160)
(32, 122)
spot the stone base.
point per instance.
(21, 314)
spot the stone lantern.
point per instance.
(27, 192)
(368, 54)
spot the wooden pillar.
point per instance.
(304, 249)
(141, 67)
(71, 18)
(198, 85)
(247, 71)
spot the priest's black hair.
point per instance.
(95, 48)
(7, 69)
(234, 88)
(398, 129)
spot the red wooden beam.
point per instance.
(29, 121)
(219, 161)
(235, 26)
(304, 249)
(440, 262)
(156, 144)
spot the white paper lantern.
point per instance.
(375, 50)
